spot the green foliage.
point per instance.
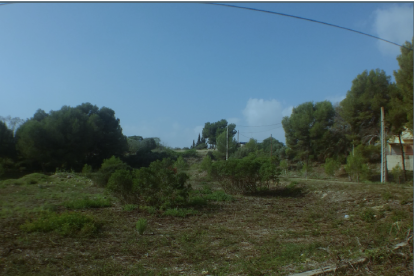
(180, 212)
(71, 137)
(88, 203)
(87, 169)
(221, 142)
(141, 225)
(206, 164)
(129, 207)
(121, 184)
(181, 164)
(160, 186)
(7, 144)
(189, 153)
(356, 165)
(142, 146)
(307, 131)
(108, 167)
(368, 215)
(361, 108)
(66, 224)
(404, 79)
(397, 172)
(245, 175)
(331, 166)
(284, 165)
(212, 131)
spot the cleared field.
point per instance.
(297, 226)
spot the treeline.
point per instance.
(71, 137)
(317, 131)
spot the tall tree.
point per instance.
(7, 145)
(361, 107)
(404, 79)
(71, 137)
(212, 130)
(307, 130)
(198, 140)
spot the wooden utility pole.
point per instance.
(383, 156)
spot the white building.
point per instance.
(394, 151)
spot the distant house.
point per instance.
(394, 151)
(241, 144)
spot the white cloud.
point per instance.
(395, 24)
(265, 117)
(335, 99)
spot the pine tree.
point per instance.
(198, 140)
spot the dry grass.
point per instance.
(280, 232)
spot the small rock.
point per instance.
(346, 216)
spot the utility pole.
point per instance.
(227, 143)
(383, 157)
(238, 132)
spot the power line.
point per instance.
(308, 19)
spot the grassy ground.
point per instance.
(297, 226)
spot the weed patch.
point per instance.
(87, 203)
(66, 224)
(180, 212)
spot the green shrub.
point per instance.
(397, 173)
(122, 185)
(219, 196)
(129, 207)
(141, 225)
(284, 165)
(161, 186)
(206, 164)
(356, 166)
(150, 209)
(245, 175)
(181, 164)
(197, 201)
(331, 166)
(108, 167)
(180, 212)
(189, 153)
(66, 224)
(87, 169)
(88, 203)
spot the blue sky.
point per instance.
(168, 68)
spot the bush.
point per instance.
(331, 166)
(397, 173)
(66, 224)
(129, 207)
(245, 175)
(180, 212)
(181, 164)
(121, 184)
(284, 165)
(206, 164)
(189, 153)
(161, 186)
(87, 203)
(108, 167)
(356, 166)
(87, 169)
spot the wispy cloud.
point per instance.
(395, 24)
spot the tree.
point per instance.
(272, 144)
(222, 144)
(307, 131)
(71, 137)
(361, 107)
(12, 123)
(212, 130)
(404, 79)
(7, 145)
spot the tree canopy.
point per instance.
(361, 108)
(71, 136)
(307, 130)
(212, 131)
